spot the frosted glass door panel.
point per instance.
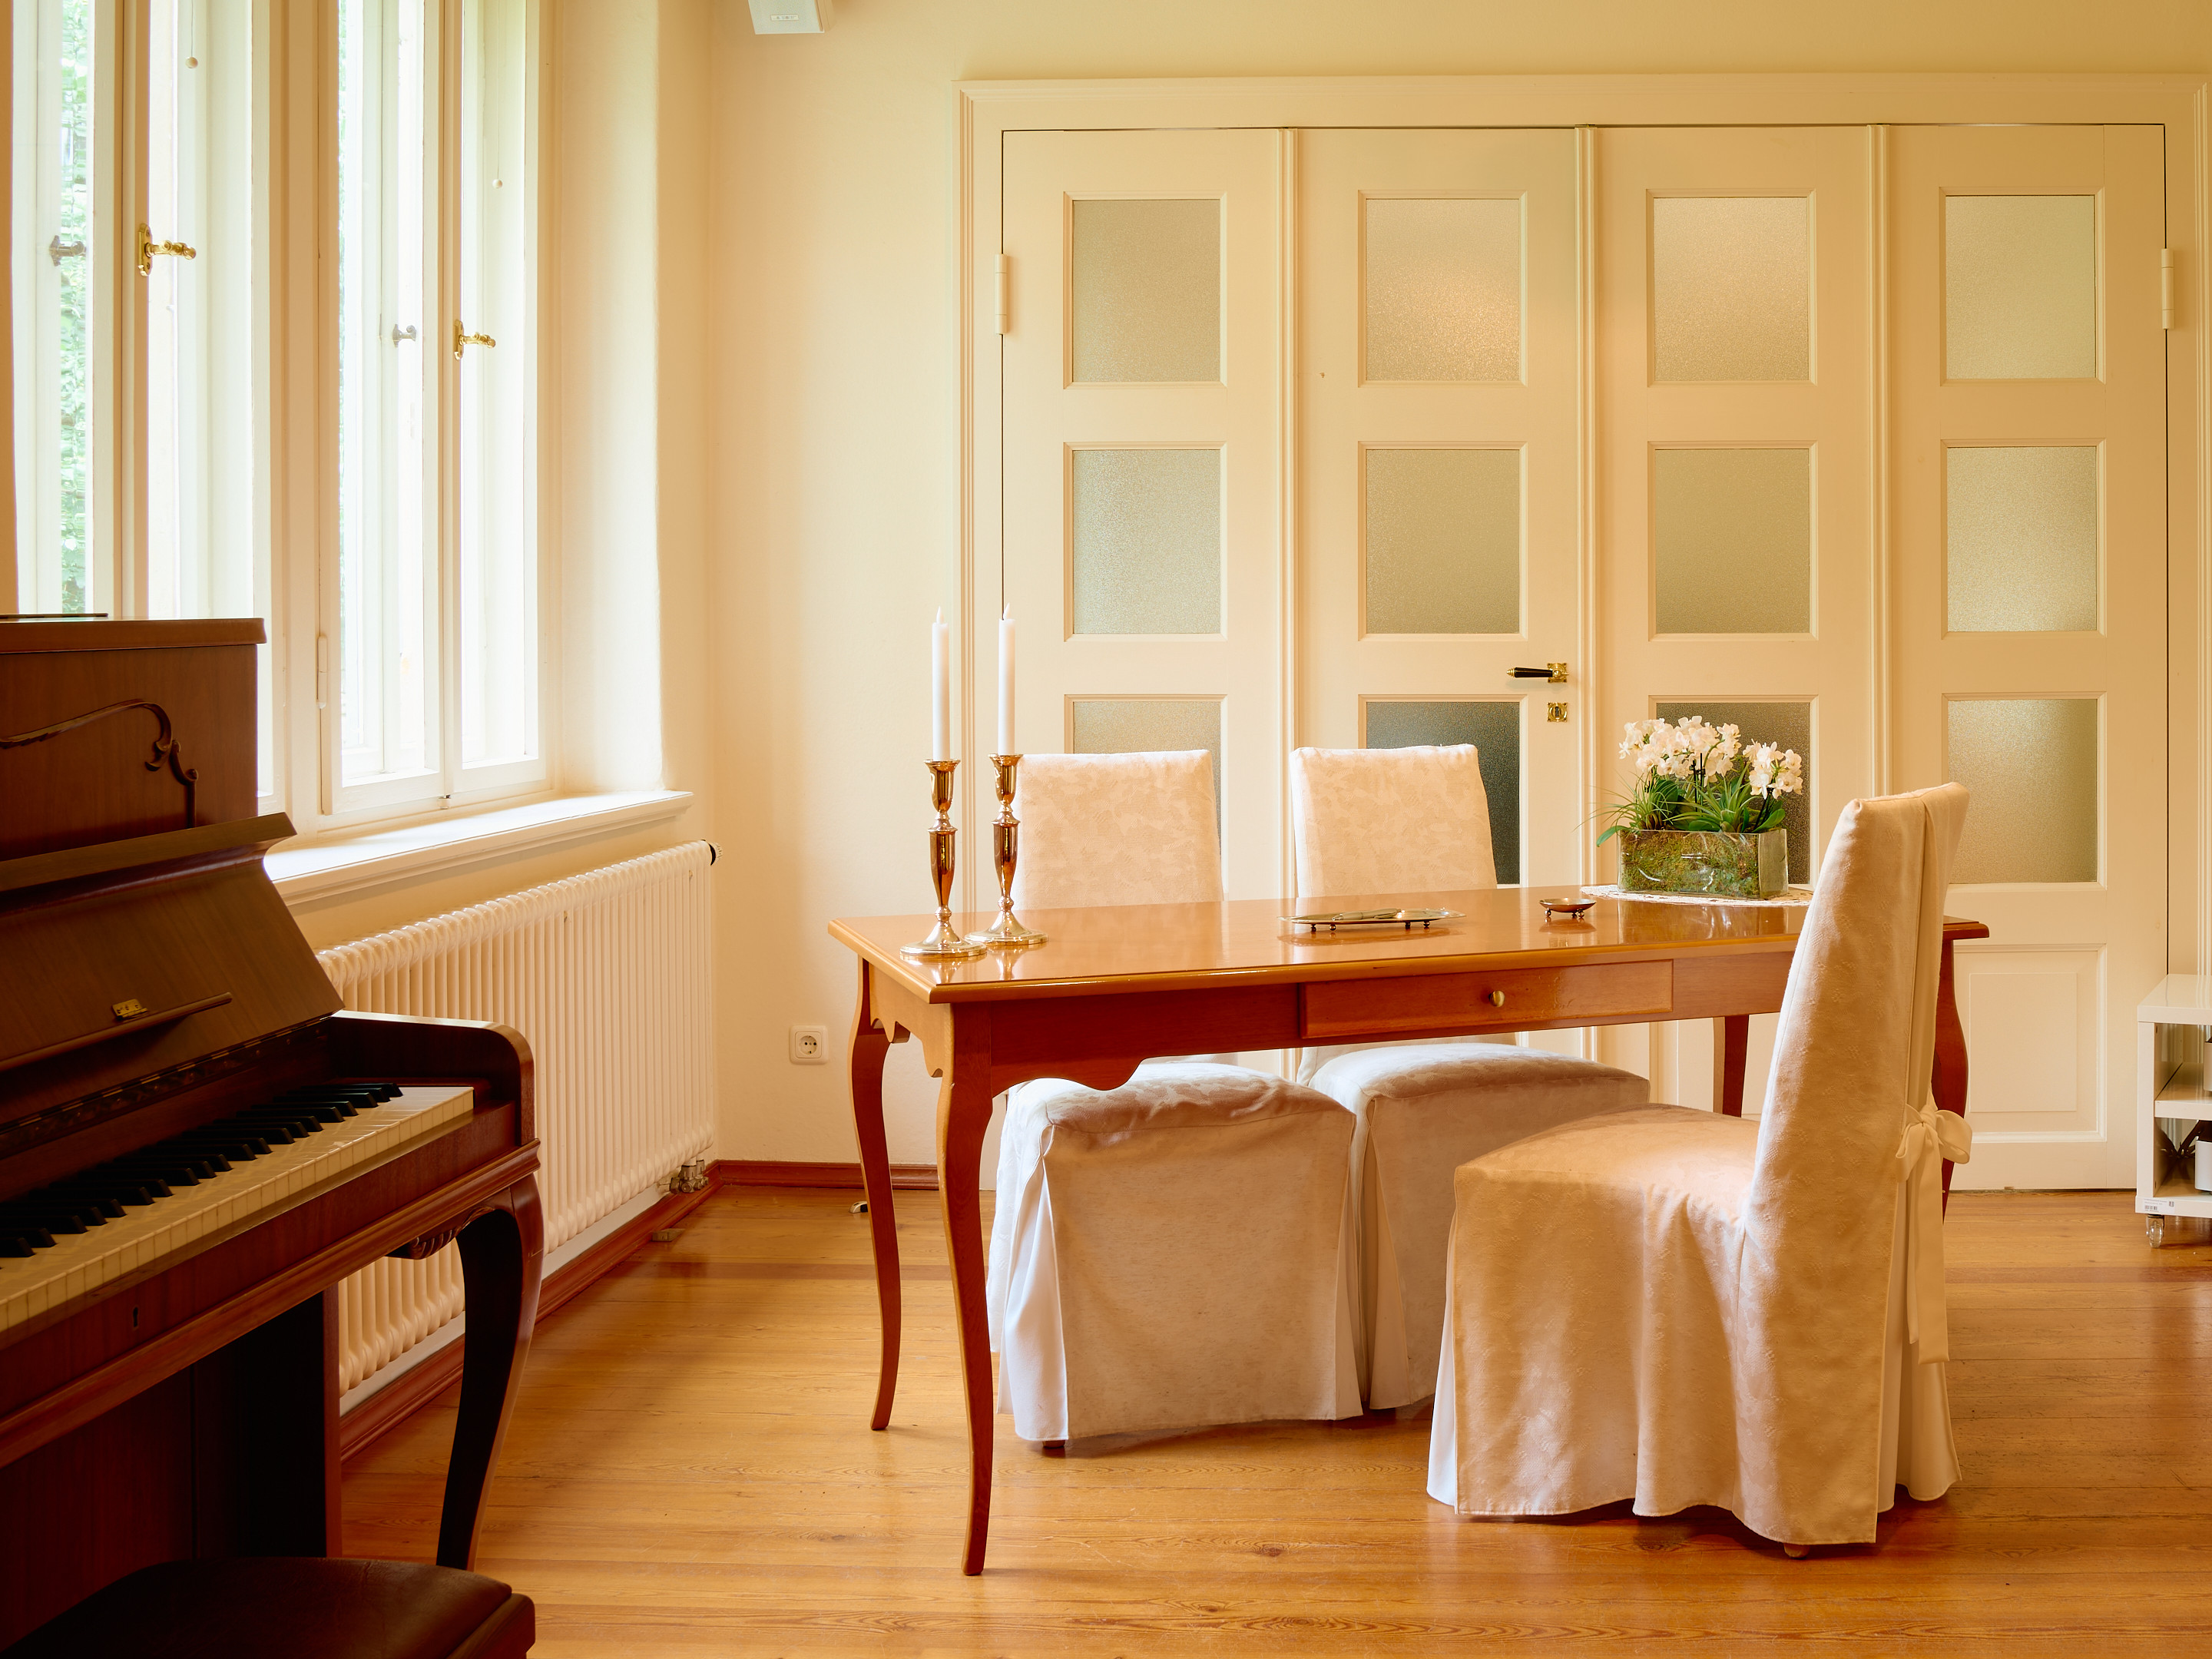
(1733, 540)
(1494, 728)
(1443, 288)
(1147, 541)
(2031, 766)
(2020, 288)
(1138, 725)
(1444, 541)
(1732, 288)
(1145, 290)
(1789, 725)
(2021, 539)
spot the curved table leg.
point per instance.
(870, 1044)
(1947, 1081)
(964, 1114)
(502, 1254)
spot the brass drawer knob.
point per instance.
(1498, 999)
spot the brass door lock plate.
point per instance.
(1556, 712)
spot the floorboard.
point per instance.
(690, 1471)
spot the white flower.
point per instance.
(1724, 752)
(1764, 758)
(1775, 770)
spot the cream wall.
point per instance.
(830, 427)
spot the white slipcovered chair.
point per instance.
(1408, 821)
(1177, 1251)
(1678, 1308)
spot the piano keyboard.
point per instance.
(60, 1241)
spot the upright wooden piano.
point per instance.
(197, 1144)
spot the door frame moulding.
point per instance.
(986, 111)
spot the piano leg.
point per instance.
(502, 1254)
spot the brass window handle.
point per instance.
(462, 340)
(147, 247)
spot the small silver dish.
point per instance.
(1333, 919)
(1574, 910)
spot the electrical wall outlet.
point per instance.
(810, 1045)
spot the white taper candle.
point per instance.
(1007, 683)
(941, 689)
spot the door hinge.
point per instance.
(2165, 288)
(1005, 294)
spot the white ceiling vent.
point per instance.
(791, 17)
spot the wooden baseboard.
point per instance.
(775, 1172)
(397, 1400)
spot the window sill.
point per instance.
(323, 869)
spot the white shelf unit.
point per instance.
(2171, 1065)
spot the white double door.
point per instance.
(1851, 436)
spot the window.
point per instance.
(63, 322)
(158, 398)
(437, 601)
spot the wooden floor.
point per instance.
(690, 1471)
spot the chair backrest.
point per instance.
(1857, 1038)
(1117, 829)
(1390, 821)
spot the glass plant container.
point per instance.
(1704, 861)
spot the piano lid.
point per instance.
(129, 967)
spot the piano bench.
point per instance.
(291, 1608)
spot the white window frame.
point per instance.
(449, 784)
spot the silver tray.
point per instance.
(1334, 920)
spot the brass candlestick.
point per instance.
(1005, 842)
(942, 941)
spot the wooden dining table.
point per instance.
(1115, 985)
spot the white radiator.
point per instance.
(607, 974)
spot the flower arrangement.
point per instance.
(1687, 778)
(1704, 807)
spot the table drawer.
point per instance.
(1508, 999)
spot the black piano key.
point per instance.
(171, 1175)
(12, 1245)
(190, 1168)
(368, 1094)
(52, 1218)
(336, 1096)
(127, 1190)
(310, 1115)
(293, 1128)
(264, 1135)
